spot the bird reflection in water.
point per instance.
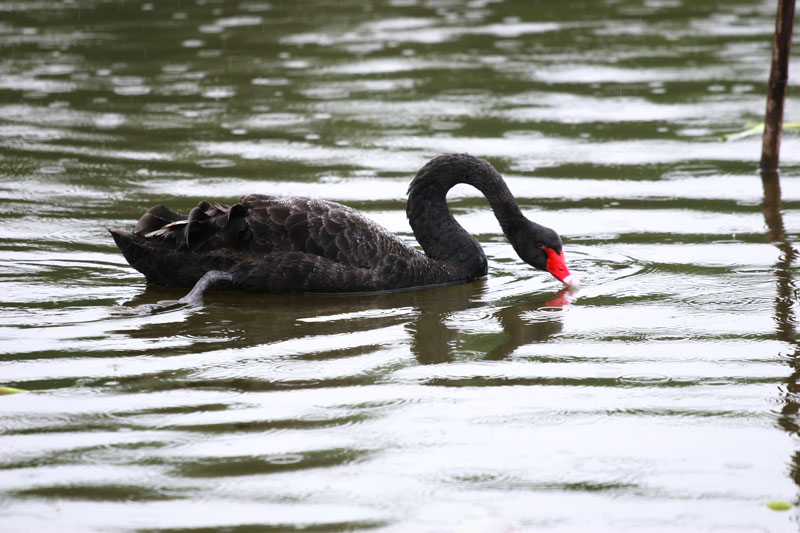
(441, 321)
(434, 338)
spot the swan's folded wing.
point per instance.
(156, 218)
(318, 227)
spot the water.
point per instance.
(660, 396)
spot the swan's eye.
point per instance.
(540, 245)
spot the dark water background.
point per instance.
(661, 396)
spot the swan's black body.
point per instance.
(280, 245)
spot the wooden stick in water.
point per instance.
(778, 77)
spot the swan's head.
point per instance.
(541, 248)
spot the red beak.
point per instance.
(558, 267)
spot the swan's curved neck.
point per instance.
(436, 230)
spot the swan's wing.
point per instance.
(258, 226)
(318, 227)
(207, 226)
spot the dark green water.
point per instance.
(660, 396)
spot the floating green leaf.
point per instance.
(11, 390)
(779, 505)
(753, 130)
(757, 129)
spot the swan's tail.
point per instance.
(165, 263)
(210, 278)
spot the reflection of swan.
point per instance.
(440, 325)
(520, 332)
(433, 340)
(279, 245)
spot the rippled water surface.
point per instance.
(660, 396)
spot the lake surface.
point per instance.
(662, 395)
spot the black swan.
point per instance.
(292, 245)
